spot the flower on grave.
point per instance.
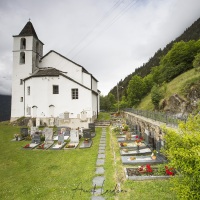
(145, 169)
(16, 135)
(138, 140)
(41, 146)
(27, 146)
(169, 171)
(123, 144)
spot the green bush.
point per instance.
(182, 149)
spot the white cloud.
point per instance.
(111, 38)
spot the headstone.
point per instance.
(91, 126)
(34, 129)
(60, 138)
(146, 136)
(48, 134)
(24, 132)
(36, 138)
(74, 136)
(87, 134)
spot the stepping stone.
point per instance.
(103, 139)
(101, 151)
(103, 136)
(99, 170)
(98, 191)
(102, 148)
(102, 145)
(102, 142)
(101, 156)
(100, 162)
(98, 181)
(98, 198)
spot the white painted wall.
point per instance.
(41, 90)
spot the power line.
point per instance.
(116, 5)
(124, 10)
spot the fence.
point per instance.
(169, 119)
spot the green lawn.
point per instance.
(67, 174)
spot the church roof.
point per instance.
(28, 30)
(46, 72)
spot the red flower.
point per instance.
(148, 168)
(169, 171)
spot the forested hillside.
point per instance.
(191, 33)
(5, 107)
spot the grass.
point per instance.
(104, 116)
(67, 174)
(173, 87)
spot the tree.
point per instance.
(135, 90)
(196, 61)
(156, 95)
(182, 149)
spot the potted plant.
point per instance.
(154, 154)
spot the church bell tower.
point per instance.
(27, 51)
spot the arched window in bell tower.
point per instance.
(22, 58)
(23, 43)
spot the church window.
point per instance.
(21, 81)
(22, 58)
(23, 43)
(28, 110)
(55, 89)
(75, 93)
(21, 99)
(28, 90)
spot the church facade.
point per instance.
(50, 89)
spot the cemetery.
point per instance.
(136, 150)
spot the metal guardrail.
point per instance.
(169, 119)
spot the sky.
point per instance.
(109, 38)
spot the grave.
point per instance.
(65, 131)
(128, 152)
(131, 145)
(37, 122)
(142, 160)
(132, 173)
(87, 143)
(33, 130)
(61, 142)
(48, 132)
(34, 143)
(74, 140)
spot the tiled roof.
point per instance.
(46, 72)
(28, 30)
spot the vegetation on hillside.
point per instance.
(182, 57)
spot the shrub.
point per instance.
(182, 149)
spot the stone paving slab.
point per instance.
(98, 191)
(98, 181)
(98, 198)
(101, 151)
(99, 170)
(102, 148)
(101, 156)
(100, 162)
(102, 145)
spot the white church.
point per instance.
(50, 89)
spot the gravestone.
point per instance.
(146, 136)
(91, 126)
(36, 138)
(24, 132)
(34, 129)
(60, 138)
(48, 132)
(64, 130)
(74, 136)
(87, 134)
